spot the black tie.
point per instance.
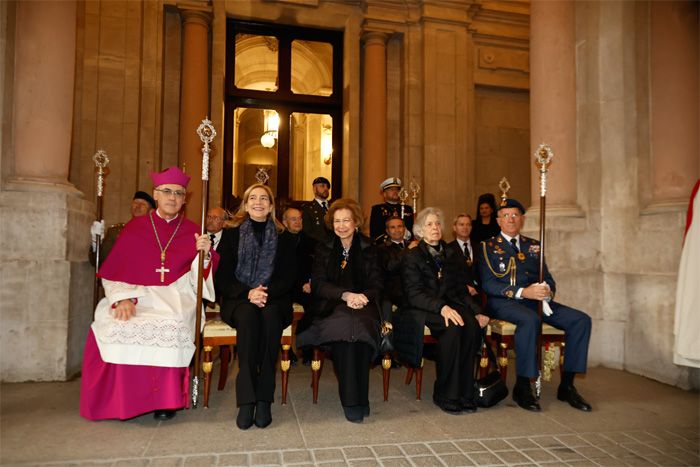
(324, 205)
(466, 250)
(514, 242)
(213, 237)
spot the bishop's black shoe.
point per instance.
(571, 395)
(164, 414)
(246, 412)
(522, 395)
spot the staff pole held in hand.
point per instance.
(543, 156)
(101, 161)
(206, 133)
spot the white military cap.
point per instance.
(390, 182)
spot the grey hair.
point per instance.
(423, 216)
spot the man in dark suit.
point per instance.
(314, 211)
(391, 207)
(305, 245)
(389, 253)
(509, 270)
(462, 227)
(215, 225)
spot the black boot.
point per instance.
(263, 414)
(354, 414)
(244, 420)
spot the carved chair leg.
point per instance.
(386, 374)
(285, 363)
(561, 356)
(419, 379)
(224, 356)
(483, 361)
(409, 376)
(206, 367)
(316, 365)
(503, 360)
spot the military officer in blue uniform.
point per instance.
(391, 207)
(509, 269)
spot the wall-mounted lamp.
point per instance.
(271, 125)
(326, 144)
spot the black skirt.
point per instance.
(344, 325)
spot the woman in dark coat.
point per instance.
(254, 280)
(346, 285)
(434, 297)
(484, 225)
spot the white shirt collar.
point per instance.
(517, 237)
(167, 220)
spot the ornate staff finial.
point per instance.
(414, 189)
(206, 133)
(505, 187)
(543, 157)
(101, 161)
(262, 176)
(403, 196)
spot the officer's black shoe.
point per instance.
(246, 412)
(163, 414)
(522, 395)
(365, 410)
(571, 395)
(263, 414)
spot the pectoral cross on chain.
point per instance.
(162, 272)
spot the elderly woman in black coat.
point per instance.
(346, 284)
(254, 281)
(436, 297)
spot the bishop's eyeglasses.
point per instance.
(168, 192)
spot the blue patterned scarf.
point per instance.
(256, 261)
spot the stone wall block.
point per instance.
(615, 296)
(80, 313)
(581, 290)
(649, 333)
(607, 346)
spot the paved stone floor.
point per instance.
(635, 422)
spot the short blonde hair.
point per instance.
(349, 204)
(423, 216)
(241, 214)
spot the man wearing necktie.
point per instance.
(215, 225)
(389, 253)
(462, 227)
(509, 269)
(391, 207)
(314, 211)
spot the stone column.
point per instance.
(43, 94)
(373, 161)
(45, 282)
(674, 107)
(553, 100)
(194, 102)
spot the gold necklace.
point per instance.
(162, 270)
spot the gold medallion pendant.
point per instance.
(343, 263)
(521, 256)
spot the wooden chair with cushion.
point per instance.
(503, 334)
(216, 333)
(429, 339)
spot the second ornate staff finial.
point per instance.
(505, 187)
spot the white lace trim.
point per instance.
(169, 334)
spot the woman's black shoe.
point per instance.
(244, 420)
(163, 414)
(263, 414)
(354, 413)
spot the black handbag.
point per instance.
(490, 390)
(386, 342)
